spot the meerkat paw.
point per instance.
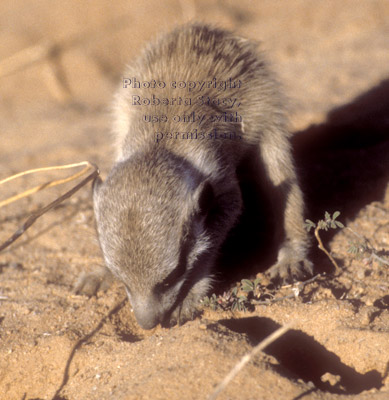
(92, 282)
(292, 265)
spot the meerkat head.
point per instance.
(151, 222)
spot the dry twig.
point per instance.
(246, 358)
(322, 248)
(45, 185)
(50, 52)
(33, 217)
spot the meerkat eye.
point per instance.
(179, 271)
(172, 278)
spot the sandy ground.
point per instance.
(332, 58)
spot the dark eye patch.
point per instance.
(172, 278)
(177, 272)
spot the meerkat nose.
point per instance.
(147, 319)
(147, 314)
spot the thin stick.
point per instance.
(44, 185)
(45, 50)
(303, 283)
(370, 247)
(33, 171)
(246, 358)
(322, 248)
(25, 58)
(33, 217)
(380, 259)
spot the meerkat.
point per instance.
(196, 103)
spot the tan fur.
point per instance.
(167, 206)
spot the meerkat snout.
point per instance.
(147, 310)
(197, 103)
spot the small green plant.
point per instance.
(357, 248)
(361, 247)
(236, 299)
(249, 286)
(211, 302)
(238, 302)
(325, 224)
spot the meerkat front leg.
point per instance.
(292, 261)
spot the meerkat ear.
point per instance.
(204, 197)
